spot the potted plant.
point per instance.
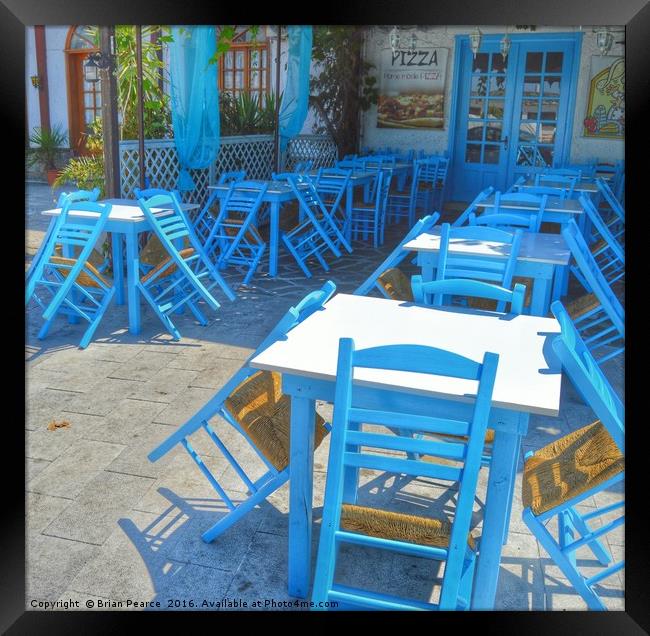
(47, 143)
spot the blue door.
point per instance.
(512, 116)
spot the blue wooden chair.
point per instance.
(204, 220)
(331, 185)
(186, 275)
(566, 182)
(253, 404)
(369, 219)
(303, 166)
(428, 184)
(317, 233)
(598, 315)
(389, 270)
(511, 203)
(435, 538)
(473, 207)
(66, 285)
(608, 252)
(613, 211)
(530, 222)
(563, 172)
(234, 238)
(587, 461)
(402, 203)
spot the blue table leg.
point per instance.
(301, 495)
(118, 267)
(274, 238)
(540, 297)
(498, 503)
(558, 281)
(68, 252)
(132, 274)
(349, 198)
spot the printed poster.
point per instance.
(412, 88)
(605, 116)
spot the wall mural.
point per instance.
(605, 116)
(412, 88)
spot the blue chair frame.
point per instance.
(473, 206)
(371, 220)
(272, 478)
(346, 457)
(574, 530)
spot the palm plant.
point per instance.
(46, 142)
(246, 114)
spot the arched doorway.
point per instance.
(84, 98)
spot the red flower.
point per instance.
(590, 123)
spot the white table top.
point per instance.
(584, 185)
(524, 381)
(537, 247)
(121, 210)
(553, 204)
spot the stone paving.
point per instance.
(103, 524)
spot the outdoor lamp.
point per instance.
(36, 81)
(414, 42)
(505, 46)
(394, 39)
(604, 40)
(95, 63)
(475, 41)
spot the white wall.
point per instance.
(435, 141)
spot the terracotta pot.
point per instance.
(52, 175)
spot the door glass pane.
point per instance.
(554, 62)
(495, 109)
(547, 134)
(480, 64)
(549, 109)
(493, 131)
(473, 153)
(497, 65)
(491, 153)
(228, 60)
(239, 79)
(552, 85)
(525, 155)
(474, 130)
(529, 109)
(255, 59)
(239, 59)
(255, 79)
(545, 156)
(476, 108)
(533, 62)
(479, 85)
(527, 131)
(497, 85)
(532, 86)
(89, 101)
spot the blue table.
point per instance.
(528, 381)
(125, 224)
(541, 257)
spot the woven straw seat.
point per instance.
(252, 230)
(185, 253)
(398, 526)
(154, 253)
(95, 257)
(582, 305)
(263, 411)
(570, 466)
(550, 228)
(396, 284)
(83, 278)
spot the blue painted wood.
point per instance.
(331, 184)
(344, 452)
(234, 238)
(397, 255)
(187, 276)
(369, 221)
(472, 207)
(55, 284)
(575, 530)
(272, 479)
(527, 218)
(603, 326)
(204, 220)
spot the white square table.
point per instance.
(539, 256)
(528, 381)
(126, 219)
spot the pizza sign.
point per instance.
(412, 88)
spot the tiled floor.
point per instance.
(104, 524)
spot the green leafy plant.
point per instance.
(246, 114)
(344, 86)
(47, 143)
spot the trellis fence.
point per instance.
(253, 153)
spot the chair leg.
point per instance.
(568, 569)
(596, 546)
(467, 578)
(90, 332)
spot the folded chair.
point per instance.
(402, 203)
(598, 315)
(186, 275)
(473, 207)
(512, 202)
(369, 219)
(613, 213)
(303, 166)
(71, 285)
(234, 238)
(352, 448)
(566, 183)
(331, 185)
(253, 404)
(318, 233)
(388, 269)
(204, 220)
(587, 461)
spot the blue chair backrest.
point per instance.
(591, 271)
(530, 221)
(587, 376)
(564, 172)
(243, 197)
(79, 195)
(610, 198)
(601, 227)
(352, 446)
(303, 166)
(229, 177)
(567, 183)
(553, 193)
(333, 181)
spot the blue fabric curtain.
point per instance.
(194, 99)
(295, 99)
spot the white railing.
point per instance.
(252, 153)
